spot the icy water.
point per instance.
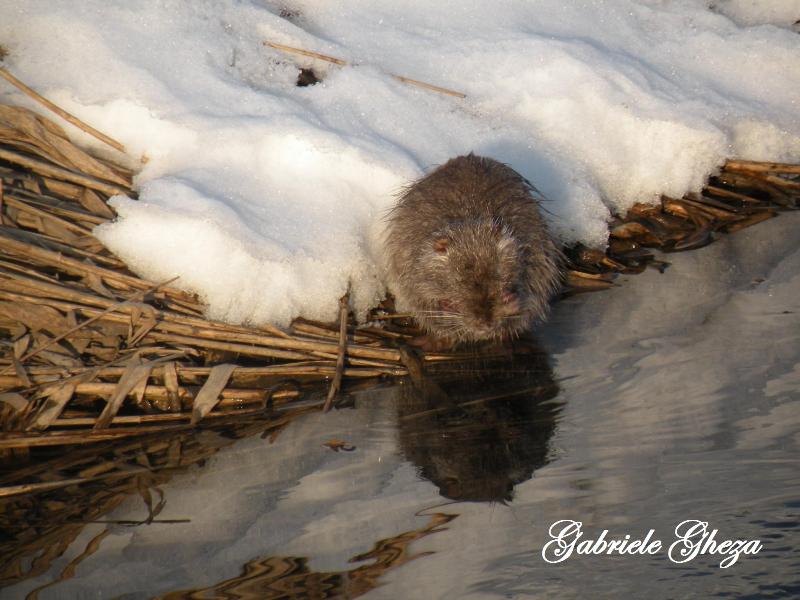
(670, 398)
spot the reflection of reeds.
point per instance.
(47, 503)
(276, 577)
(66, 492)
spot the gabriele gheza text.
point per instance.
(692, 539)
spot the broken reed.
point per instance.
(343, 63)
(93, 351)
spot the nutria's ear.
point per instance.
(440, 245)
(505, 242)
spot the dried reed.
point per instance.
(343, 63)
(60, 111)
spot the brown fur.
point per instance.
(469, 252)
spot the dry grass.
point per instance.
(91, 350)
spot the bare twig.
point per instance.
(429, 86)
(60, 111)
(292, 50)
(343, 63)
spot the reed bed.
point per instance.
(742, 194)
(93, 352)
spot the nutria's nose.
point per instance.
(485, 318)
(486, 314)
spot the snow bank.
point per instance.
(267, 198)
(760, 12)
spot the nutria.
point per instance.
(469, 253)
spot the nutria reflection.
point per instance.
(476, 430)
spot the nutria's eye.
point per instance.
(509, 296)
(440, 245)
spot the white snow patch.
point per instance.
(760, 12)
(267, 198)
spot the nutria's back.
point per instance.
(469, 252)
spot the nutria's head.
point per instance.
(471, 282)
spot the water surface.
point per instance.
(674, 396)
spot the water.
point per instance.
(670, 397)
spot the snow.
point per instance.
(267, 198)
(760, 12)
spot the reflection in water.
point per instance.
(678, 399)
(290, 577)
(60, 493)
(477, 429)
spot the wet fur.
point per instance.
(469, 252)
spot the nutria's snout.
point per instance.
(494, 318)
(469, 252)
